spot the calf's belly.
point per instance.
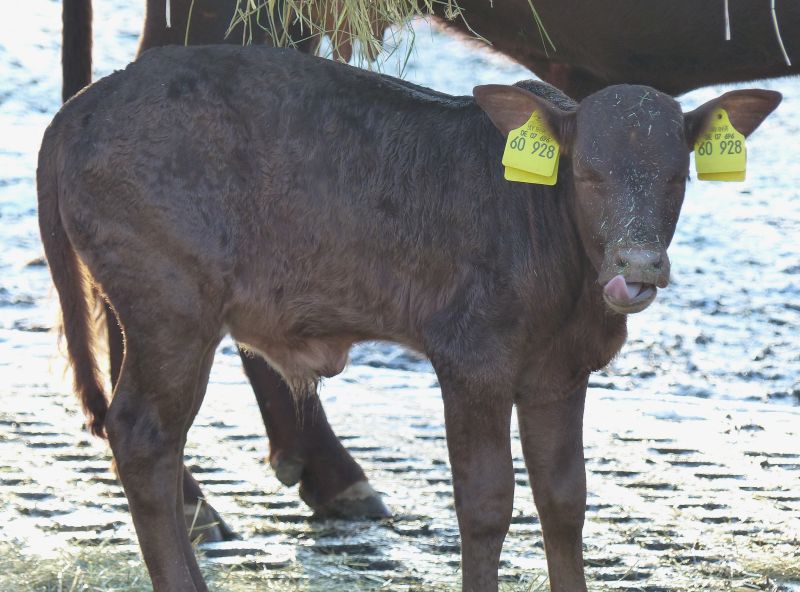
(301, 362)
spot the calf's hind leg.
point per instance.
(201, 518)
(552, 443)
(161, 385)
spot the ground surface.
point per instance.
(691, 435)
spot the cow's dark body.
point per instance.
(673, 46)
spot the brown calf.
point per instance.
(202, 190)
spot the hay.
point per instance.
(119, 568)
(352, 26)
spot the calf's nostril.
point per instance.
(639, 262)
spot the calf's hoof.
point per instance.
(359, 501)
(205, 525)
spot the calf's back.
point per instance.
(316, 204)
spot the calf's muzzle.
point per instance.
(631, 277)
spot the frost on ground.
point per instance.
(685, 494)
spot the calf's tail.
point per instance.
(73, 286)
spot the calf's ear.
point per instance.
(509, 107)
(746, 109)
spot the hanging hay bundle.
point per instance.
(349, 24)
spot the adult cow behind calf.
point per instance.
(206, 192)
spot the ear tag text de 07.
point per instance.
(720, 153)
(531, 154)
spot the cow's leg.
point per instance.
(202, 519)
(161, 386)
(304, 448)
(552, 442)
(477, 421)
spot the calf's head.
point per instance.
(628, 147)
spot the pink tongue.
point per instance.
(620, 290)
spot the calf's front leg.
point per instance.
(552, 443)
(477, 422)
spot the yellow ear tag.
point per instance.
(521, 176)
(531, 154)
(720, 153)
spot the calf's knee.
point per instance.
(482, 518)
(561, 501)
(138, 440)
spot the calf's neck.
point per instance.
(302, 206)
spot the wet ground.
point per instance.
(691, 434)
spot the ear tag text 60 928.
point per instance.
(720, 153)
(531, 154)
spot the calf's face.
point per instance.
(629, 151)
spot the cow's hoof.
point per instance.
(206, 525)
(359, 501)
(287, 469)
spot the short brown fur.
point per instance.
(205, 191)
